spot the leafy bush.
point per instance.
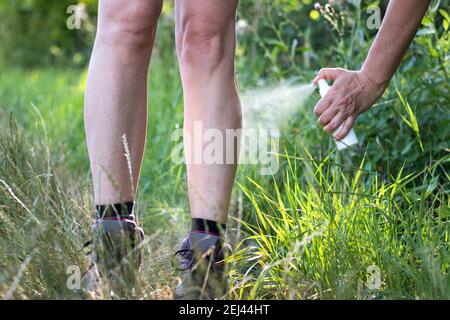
(318, 224)
(35, 33)
(310, 231)
(409, 124)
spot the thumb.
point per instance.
(328, 74)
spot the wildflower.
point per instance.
(241, 26)
(314, 15)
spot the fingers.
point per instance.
(321, 106)
(328, 74)
(335, 123)
(337, 111)
(345, 129)
(327, 116)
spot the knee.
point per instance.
(202, 43)
(129, 24)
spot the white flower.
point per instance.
(241, 26)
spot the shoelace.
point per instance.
(183, 253)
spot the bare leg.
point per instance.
(116, 95)
(206, 41)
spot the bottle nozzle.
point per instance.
(323, 87)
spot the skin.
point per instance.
(206, 41)
(354, 92)
(116, 95)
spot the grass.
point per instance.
(45, 199)
(315, 230)
(320, 227)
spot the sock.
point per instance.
(118, 210)
(208, 226)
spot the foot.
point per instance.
(116, 256)
(202, 268)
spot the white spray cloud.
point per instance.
(270, 107)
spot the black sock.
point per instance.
(118, 210)
(208, 226)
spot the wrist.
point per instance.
(376, 74)
(377, 82)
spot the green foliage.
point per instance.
(340, 38)
(45, 191)
(283, 38)
(310, 231)
(315, 227)
(41, 228)
(320, 225)
(34, 32)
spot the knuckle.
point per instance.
(343, 101)
(340, 106)
(348, 111)
(335, 123)
(332, 126)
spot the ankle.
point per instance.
(208, 227)
(117, 210)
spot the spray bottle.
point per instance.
(351, 138)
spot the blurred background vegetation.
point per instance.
(403, 155)
(278, 40)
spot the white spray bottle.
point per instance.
(350, 139)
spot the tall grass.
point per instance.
(320, 227)
(46, 208)
(46, 215)
(314, 230)
(310, 231)
(41, 226)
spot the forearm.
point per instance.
(400, 24)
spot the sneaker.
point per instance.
(116, 256)
(202, 268)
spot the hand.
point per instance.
(351, 94)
